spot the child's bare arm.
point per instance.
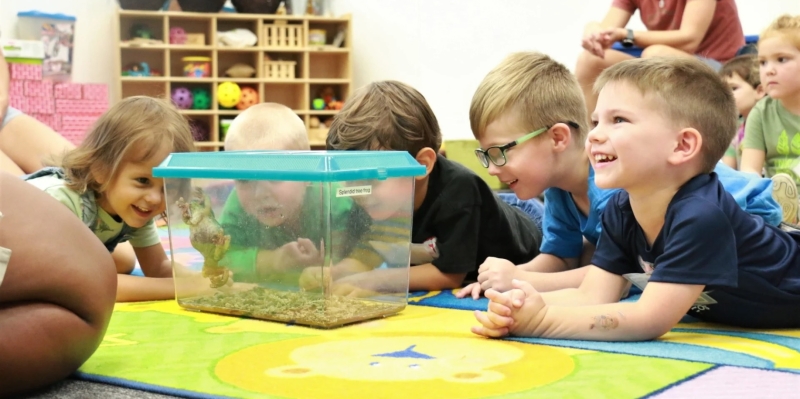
(753, 161)
(547, 263)
(523, 312)
(135, 288)
(428, 277)
(154, 261)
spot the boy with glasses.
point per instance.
(457, 220)
(530, 92)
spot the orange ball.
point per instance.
(248, 98)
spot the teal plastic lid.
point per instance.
(39, 14)
(316, 166)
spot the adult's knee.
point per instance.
(588, 67)
(658, 50)
(55, 257)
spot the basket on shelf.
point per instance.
(256, 6)
(283, 35)
(279, 69)
(201, 5)
(148, 5)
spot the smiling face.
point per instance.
(527, 169)
(134, 194)
(631, 141)
(273, 203)
(779, 69)
(746, 96)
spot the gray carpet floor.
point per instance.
(75, 389)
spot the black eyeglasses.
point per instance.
(497, 153)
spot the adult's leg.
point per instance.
(31, 144)
(7, 165)
(588, 69)
(58, 291)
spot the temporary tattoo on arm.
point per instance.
(604, 322)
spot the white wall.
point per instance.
(441, 47)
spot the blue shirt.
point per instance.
(565, 225)
(707, 239)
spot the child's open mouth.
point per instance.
(603, 158)
(142, 212)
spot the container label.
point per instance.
(353, 191)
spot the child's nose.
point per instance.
(493, 169)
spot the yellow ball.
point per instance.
(228, 94)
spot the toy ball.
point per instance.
(199, 129)
(202, 98)
(228, 94)
(177, 35)
(182, 97)
(318, 104)
(248, 98)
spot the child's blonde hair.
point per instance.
(267, 126)
(387, 115)
(746, 66)
(689, 93)
(540, 90)
(787, 26)
(132, 130)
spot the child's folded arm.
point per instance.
(660, 308)
(546, 263)
(428, 277)
(598, 287)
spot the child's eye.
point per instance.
(618, 119)
(594, 123)
(142, 180)
(782, 59)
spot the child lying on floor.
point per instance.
(661, 125)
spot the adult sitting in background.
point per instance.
(25, 143)
(707, 29)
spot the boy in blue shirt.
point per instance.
(661, 125)
(530, 92)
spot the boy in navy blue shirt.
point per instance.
(661, 125)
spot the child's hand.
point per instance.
(297, 254)
(357, 285)
(496, 273)
(516, 312)
(314, 278)
(473, 290)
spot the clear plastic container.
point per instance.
(308, 237)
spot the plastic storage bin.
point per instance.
(307, 237)
(57, 32)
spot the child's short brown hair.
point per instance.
(386, 115)
(541, 90)
(746, 66)
(689, 92)
(786, 25)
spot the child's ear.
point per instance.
(427, 158)
(561, 135)
(760, 93)
(688, 146)
(99, 174)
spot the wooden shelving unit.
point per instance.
(315, 67)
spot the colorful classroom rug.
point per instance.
(427, 351)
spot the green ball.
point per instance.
(202, 98)
(318, 104)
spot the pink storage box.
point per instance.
(40, 105)
(16, 88)
(20, 103)
(95, 92)
(38, 88)
(68, 106)
(68, 91)
(26, 71)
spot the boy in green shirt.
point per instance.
(277, 228)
